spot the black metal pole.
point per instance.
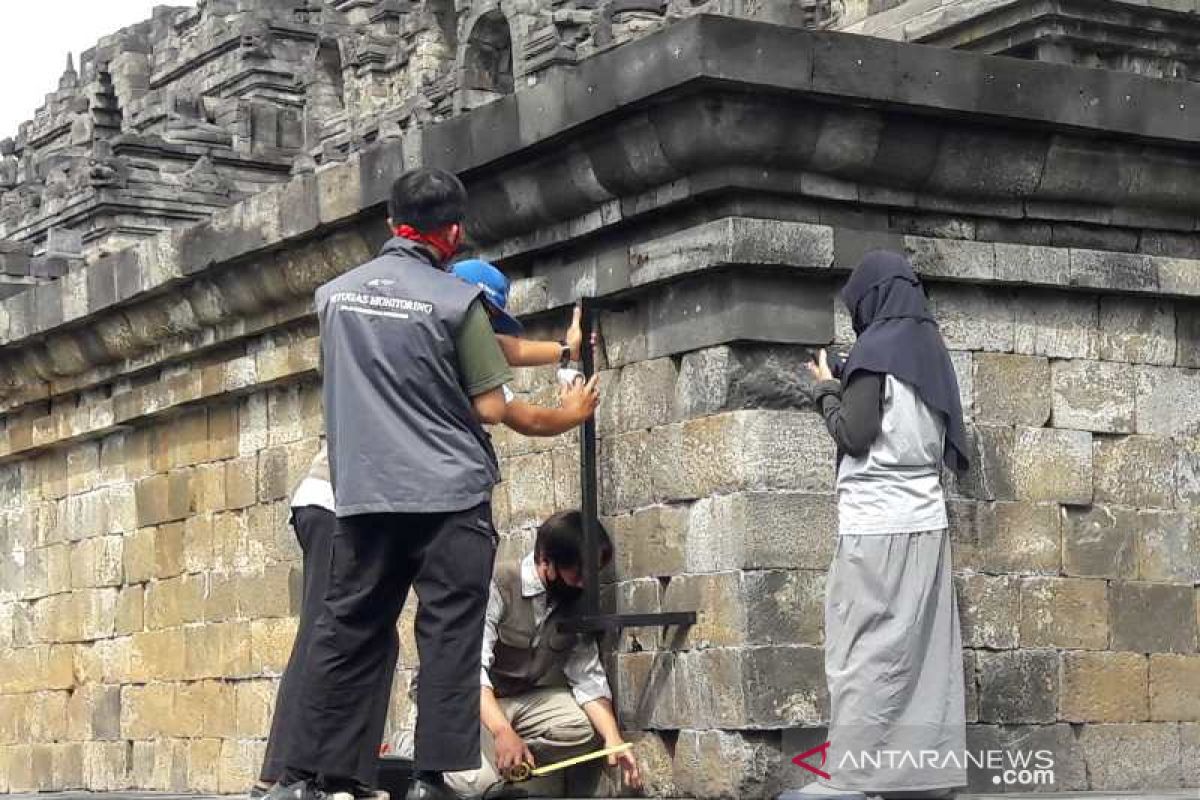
(587, 475)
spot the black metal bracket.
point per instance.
(590, 619)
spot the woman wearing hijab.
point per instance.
(893, 649)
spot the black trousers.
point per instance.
(375, 559)
(315, 527)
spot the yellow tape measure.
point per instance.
(523, 772)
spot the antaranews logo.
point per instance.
(1008, 767)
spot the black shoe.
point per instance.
(358, 792)
(424, 790)
(300, 790)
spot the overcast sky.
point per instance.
(36, 36)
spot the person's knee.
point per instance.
(573, 729)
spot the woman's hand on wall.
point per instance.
(820, 368)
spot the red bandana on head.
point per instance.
(440, 244)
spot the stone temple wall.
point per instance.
(160, 402)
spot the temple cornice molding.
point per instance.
(627, 136)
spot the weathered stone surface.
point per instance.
(1096, 396)
(1134, 471)
(645, 395)
(625, 472)
(1104, 687)
(1137, 331)
(1189, 740)
(1113, 270)
(713, 310)
(1036, 464)
(971, 318)
(1187, 471)
(732, 377)
(1173, 693)
(747, 608)
(971, 685)
(1006, 537)
(754, 687)
(1057, 325)
(761, 530)
(734, 240)
(650, 542)
(715, 764)
(1100, 542)
(1018, 686)
(785, 606)
(1011, 390)
(740, 450)
(720, 605)
(990, 611)
(1125, 756)
(644, 684)
(1151, 618)
(1049, 747)
(1164, 404)
(530, 482)
(1026, 264)
(1168, 547)
(1063, 612)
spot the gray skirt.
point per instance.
(893, 661)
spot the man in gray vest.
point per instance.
(411, 373)
(544, 695)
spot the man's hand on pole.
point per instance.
(581, 399)
(575, 333)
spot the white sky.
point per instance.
(36, 36)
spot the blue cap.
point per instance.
(495, 291)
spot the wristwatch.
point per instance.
(564, 357)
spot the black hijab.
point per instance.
(898, 336)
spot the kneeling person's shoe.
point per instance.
(300, 790)
(419, 789)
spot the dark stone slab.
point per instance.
(102, 283)
(128, 273)
(298, 212)
(14, 258)
(49, 266)
(746, 306)
(850, 245)
(48, 304)
(379, 166)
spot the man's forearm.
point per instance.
(531, 420)
(526, 353)
(490, 713)
(600, 712)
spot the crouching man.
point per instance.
(544, 694)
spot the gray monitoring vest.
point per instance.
(403, 437)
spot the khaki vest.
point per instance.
(526, 656)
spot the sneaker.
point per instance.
(424, 790)
(300, 790)
(360, 792)
(258, 791)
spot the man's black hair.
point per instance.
(427, 199)
(560, 541)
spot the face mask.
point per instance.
(562, 593)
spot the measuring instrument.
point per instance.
(523, 772)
